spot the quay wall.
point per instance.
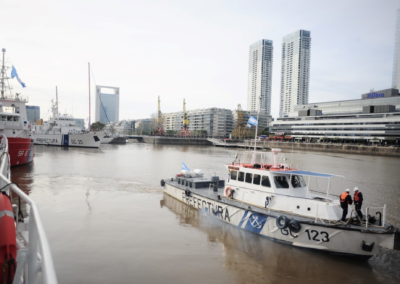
(336, 148)
(173, 141)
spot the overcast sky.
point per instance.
(197, 50)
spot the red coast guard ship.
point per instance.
(13, 120)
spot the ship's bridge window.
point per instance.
(9, 118)
(16, 118)
(265, 181)
(234, 175)
(298, 181)
(281, 182)
(256, 179)
(3, 118)
(249, 177)
(241, 176)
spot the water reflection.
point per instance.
(258, 260)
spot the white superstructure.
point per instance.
(260, 76)
(295, 71)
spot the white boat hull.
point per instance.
(321, 237)
(85, 140)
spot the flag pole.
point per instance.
(89, 92)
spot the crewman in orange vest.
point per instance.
(358, 200)
(345, 200)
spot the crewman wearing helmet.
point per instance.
(345, 201)
(358, 200)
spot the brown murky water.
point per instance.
(108, 220)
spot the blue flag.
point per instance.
(184, 167)
(15, 74)
(252, 121)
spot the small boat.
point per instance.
(24, 248)
(61, 130)
(273, 199)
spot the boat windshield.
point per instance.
(281, 182)
(298, 181)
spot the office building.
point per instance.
(217, 122)
(107, 105)
(260, 76)
(376, 116)
(295, 71)
(79, 122)
(33, 113)
(396, 56)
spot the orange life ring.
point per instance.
(228, 191)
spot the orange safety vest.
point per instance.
(343, 196)
(356, 198)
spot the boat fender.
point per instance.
(282, 222)
(367, 247)
(267, 201)
(187, 192)
(294, 226)
(162, 182)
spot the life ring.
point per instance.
(228, 191)
(282, 222)
(8, 246)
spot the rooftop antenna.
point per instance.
(57, 99)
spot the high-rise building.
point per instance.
(33, 113)
(295, 71)
(107, 105)
(260, 76)
(396, 57)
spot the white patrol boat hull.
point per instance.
(85, 140)
(332, 239)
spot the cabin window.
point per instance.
(249, 177)
(298, 181)
(265, 181)
(9, 118)
(281, 182)
(241, 176)
(15, 118)
(234, 175)
(3, 118)
(256, 179)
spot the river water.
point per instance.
(108, 221)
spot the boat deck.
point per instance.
(208, 192)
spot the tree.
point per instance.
(97, 126)
(265, 132)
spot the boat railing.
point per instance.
(33, 255)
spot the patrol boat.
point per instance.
(271, 198)
(61, 130)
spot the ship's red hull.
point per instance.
(20, 150)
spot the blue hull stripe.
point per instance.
(243, 219)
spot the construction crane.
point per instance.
(185, 132)
(160, 121)
(240, 128)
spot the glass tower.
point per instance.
(107, 105)
(295, 71)
(396, 57)
(260, 76)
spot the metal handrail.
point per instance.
(33, 255)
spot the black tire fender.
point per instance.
(162, 182)
(294, 226)
(282, 222)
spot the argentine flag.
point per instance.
(15, 74)
(252, 121)
(184, 167)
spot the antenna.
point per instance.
(2, 74)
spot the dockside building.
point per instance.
(376, 116)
